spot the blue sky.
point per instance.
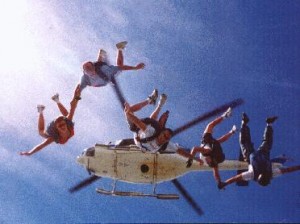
(200, 53)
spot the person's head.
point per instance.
(264, 179)
(88, 67)
(61, 124)
(164, 136)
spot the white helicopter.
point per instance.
(124, 161)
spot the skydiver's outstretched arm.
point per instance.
(289, 169)
(231, 180)
(239, 177)
(38, 147)
(74, 102)
(128, 67)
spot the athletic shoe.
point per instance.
(55, 97)
(121, 45)
(162, 99)
(40, 108)
(245, 118)
(227, 113)
(270, 120)
(103, 53)
(152, 98)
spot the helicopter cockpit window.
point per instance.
(89, 152)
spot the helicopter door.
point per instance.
(136, 166)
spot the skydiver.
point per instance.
(59, 130)
(260, 166)
(210, 149)
(100, 73)
(151, 133)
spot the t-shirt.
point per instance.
(151, 146)
(249, 174)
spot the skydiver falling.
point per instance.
(59, 130)
(260, 166)
(100, 73)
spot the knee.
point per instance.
(42, 134)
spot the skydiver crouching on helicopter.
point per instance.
(151, 134)
(260, 166)
(210, 149)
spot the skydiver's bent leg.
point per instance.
(162, 101)
(41, 122)
(61, 107)
(246, 144)
(267, 142)
(209, 128)
(120, 58)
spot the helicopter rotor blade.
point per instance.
(118, 92)
(187, 197)
(84, 183)
(207, 115)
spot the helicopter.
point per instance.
(123, 161)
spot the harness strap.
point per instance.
(99, 72)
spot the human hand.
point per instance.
(127, 108)
(140, 66)
(24, 153)
(233, 129)
(221, 185)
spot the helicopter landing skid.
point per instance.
(137, 194)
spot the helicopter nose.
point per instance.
(81, 160)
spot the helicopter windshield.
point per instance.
(89, 152)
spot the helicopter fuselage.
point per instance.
(130, 164)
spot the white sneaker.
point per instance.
(40, 108)
(162, 99)
(102, 53)
(152, 98)
(121, 45)
(55, 97)
(227, 113)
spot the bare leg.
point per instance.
(209, 128)
(62, 109)
(41, 125)
(139, 106)
(120, 58)
(162, 101)
(156, 111)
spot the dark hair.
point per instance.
(264, 179)
(59, 118)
